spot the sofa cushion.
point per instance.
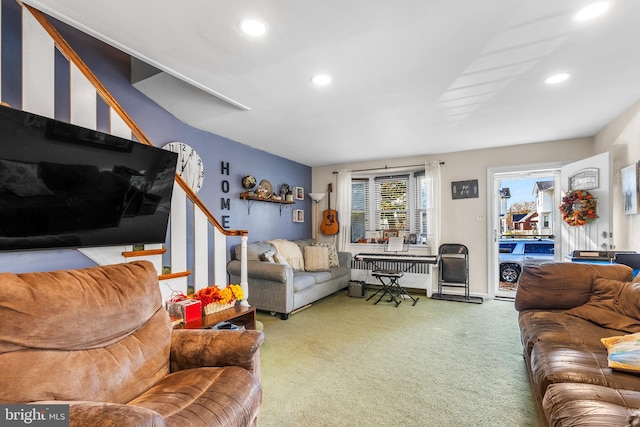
(228, 394)
(333, 253)
(76, 294)
(316, 258)
(107, 321)
(562, 285)
(291, 252)
(303, 281)
(554, 362)
(558, 326)
(268, 256)
(624, 352)
(569, 404)
(613, 304)
(254, 250)
(279, 259)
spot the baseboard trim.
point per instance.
(458, 298)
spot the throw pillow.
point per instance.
(623, 352)
(290, 251)
(316, 258)
(613, 304)
(280, 259)
(333, 253)
(268, 256)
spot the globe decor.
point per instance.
(578, 208)
(214, 299)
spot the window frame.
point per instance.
(416, 209)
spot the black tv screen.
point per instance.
(62, 185)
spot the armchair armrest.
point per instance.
(99, 414)
(345, 259)
(262, 270)
(194, 348)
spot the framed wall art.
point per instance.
(298, 193)
(629, 177)
(298, 215)
(464, 189)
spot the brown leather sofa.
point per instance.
(100, 340)
(564, 310)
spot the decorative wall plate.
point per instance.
(267, 188)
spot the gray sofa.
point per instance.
(281, 289)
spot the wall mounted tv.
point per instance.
(62, 185)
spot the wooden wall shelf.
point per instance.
(251, 199)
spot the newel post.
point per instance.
(244, 284)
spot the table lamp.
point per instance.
(316, 197)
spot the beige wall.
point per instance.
(464, 221)
(622, 139)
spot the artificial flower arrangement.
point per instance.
(578, 208)
(214, 299)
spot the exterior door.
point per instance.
(505, 254)
(591, 174)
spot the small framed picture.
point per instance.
(298, 215)
(630, 189)
(298, 193)
(464, 189)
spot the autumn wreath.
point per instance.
(578, 208)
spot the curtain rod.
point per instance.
(388, 167)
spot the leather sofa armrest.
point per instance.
(262, 270)
(345, 259)
(99, 414)
(194, 348)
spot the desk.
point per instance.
(630, 258)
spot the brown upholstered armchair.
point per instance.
(100, 340)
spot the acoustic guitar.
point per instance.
(329, 223)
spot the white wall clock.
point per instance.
(190, 166)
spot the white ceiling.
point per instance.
(410, 77)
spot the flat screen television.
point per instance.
(63, 185)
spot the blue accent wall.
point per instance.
(226, 161)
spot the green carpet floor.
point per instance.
(346, 362)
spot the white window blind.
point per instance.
(359, 208)
(420, 203)
(391, 203)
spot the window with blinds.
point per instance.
(391, 202)
(420, 205)
(359, 208)
(397, 202)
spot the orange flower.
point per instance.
(212, 294)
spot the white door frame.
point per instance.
(493, 210)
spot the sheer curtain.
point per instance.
(343, 206)
(434, 203)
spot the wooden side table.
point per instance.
(240, 315)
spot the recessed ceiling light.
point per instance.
(591, 11)
(253, 27)
(557, 78)
(321, 79)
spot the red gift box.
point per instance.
(189, 309)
